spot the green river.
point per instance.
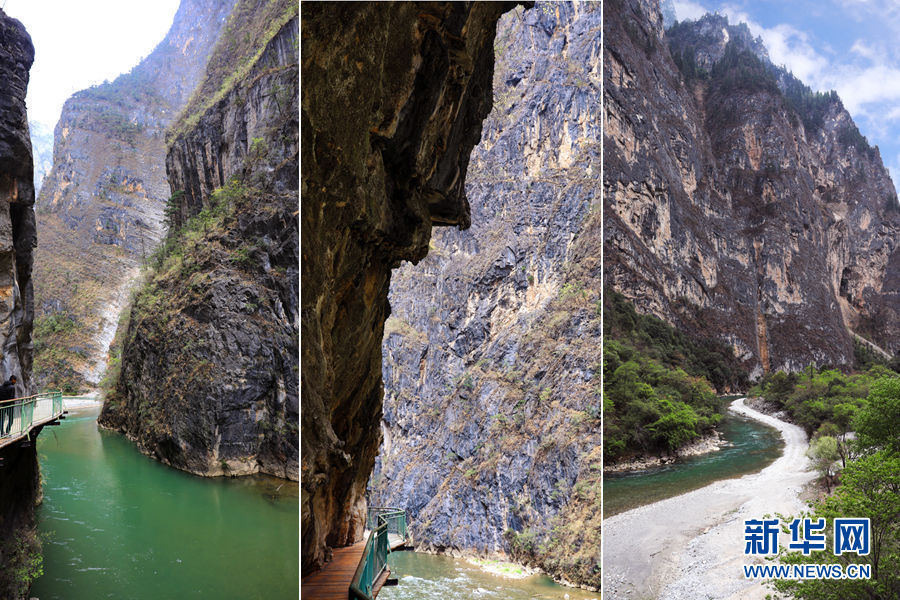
(751, 447)
(428, 576)
(117, 524)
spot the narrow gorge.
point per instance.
(394, 97)
(491, 425)
(750, 246)
(100, 212)
(208, 376)
(165, 247)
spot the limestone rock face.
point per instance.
(100, 211)
(733, 209)
(209, 379)
(19, 478)
(393, 100)
(492, 410)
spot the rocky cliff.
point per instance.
(394, 97)
(19, 479)
(100, 211)
(209, 373)
(491, 425)
(738, 203)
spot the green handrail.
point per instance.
(395, 517)
(372, 563)
(381, 521)
(17, 415)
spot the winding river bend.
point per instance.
(117, 524)
(691, 545)
(751, 447)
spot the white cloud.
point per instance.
(866, 75)
(861, 48)
(873, 85)
(686, 10)
(787, 46)
(863, 81)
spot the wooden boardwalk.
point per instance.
(333, 581)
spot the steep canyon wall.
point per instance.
(738, 204)
(491, 426)
(209, 373)
(19, 475)
(394, 97)
(100, 212)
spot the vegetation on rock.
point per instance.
(869, 488)
(250, 27)
(99, 215)
(657, 390)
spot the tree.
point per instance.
(843, 415)
(870, 487)
(878, 423)
(823, 451)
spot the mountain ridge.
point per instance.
(726, 213)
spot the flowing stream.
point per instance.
(117, 524)
(751, 447)
(429, 576)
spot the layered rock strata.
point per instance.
(393, 101)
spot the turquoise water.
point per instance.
(119, 525)
(428, 576)
(753, 446)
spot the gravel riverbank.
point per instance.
(691, 547)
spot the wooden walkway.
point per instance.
(333, 581)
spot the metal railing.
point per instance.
(17, 416)
(394, 517)
(381, 521)
(372, 563)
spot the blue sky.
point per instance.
(80, 44)
(852, 46)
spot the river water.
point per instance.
(751, 447)
(117, 524)
(429, 576)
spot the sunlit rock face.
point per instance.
(491, 428)
(733, 212)
(100, 210)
